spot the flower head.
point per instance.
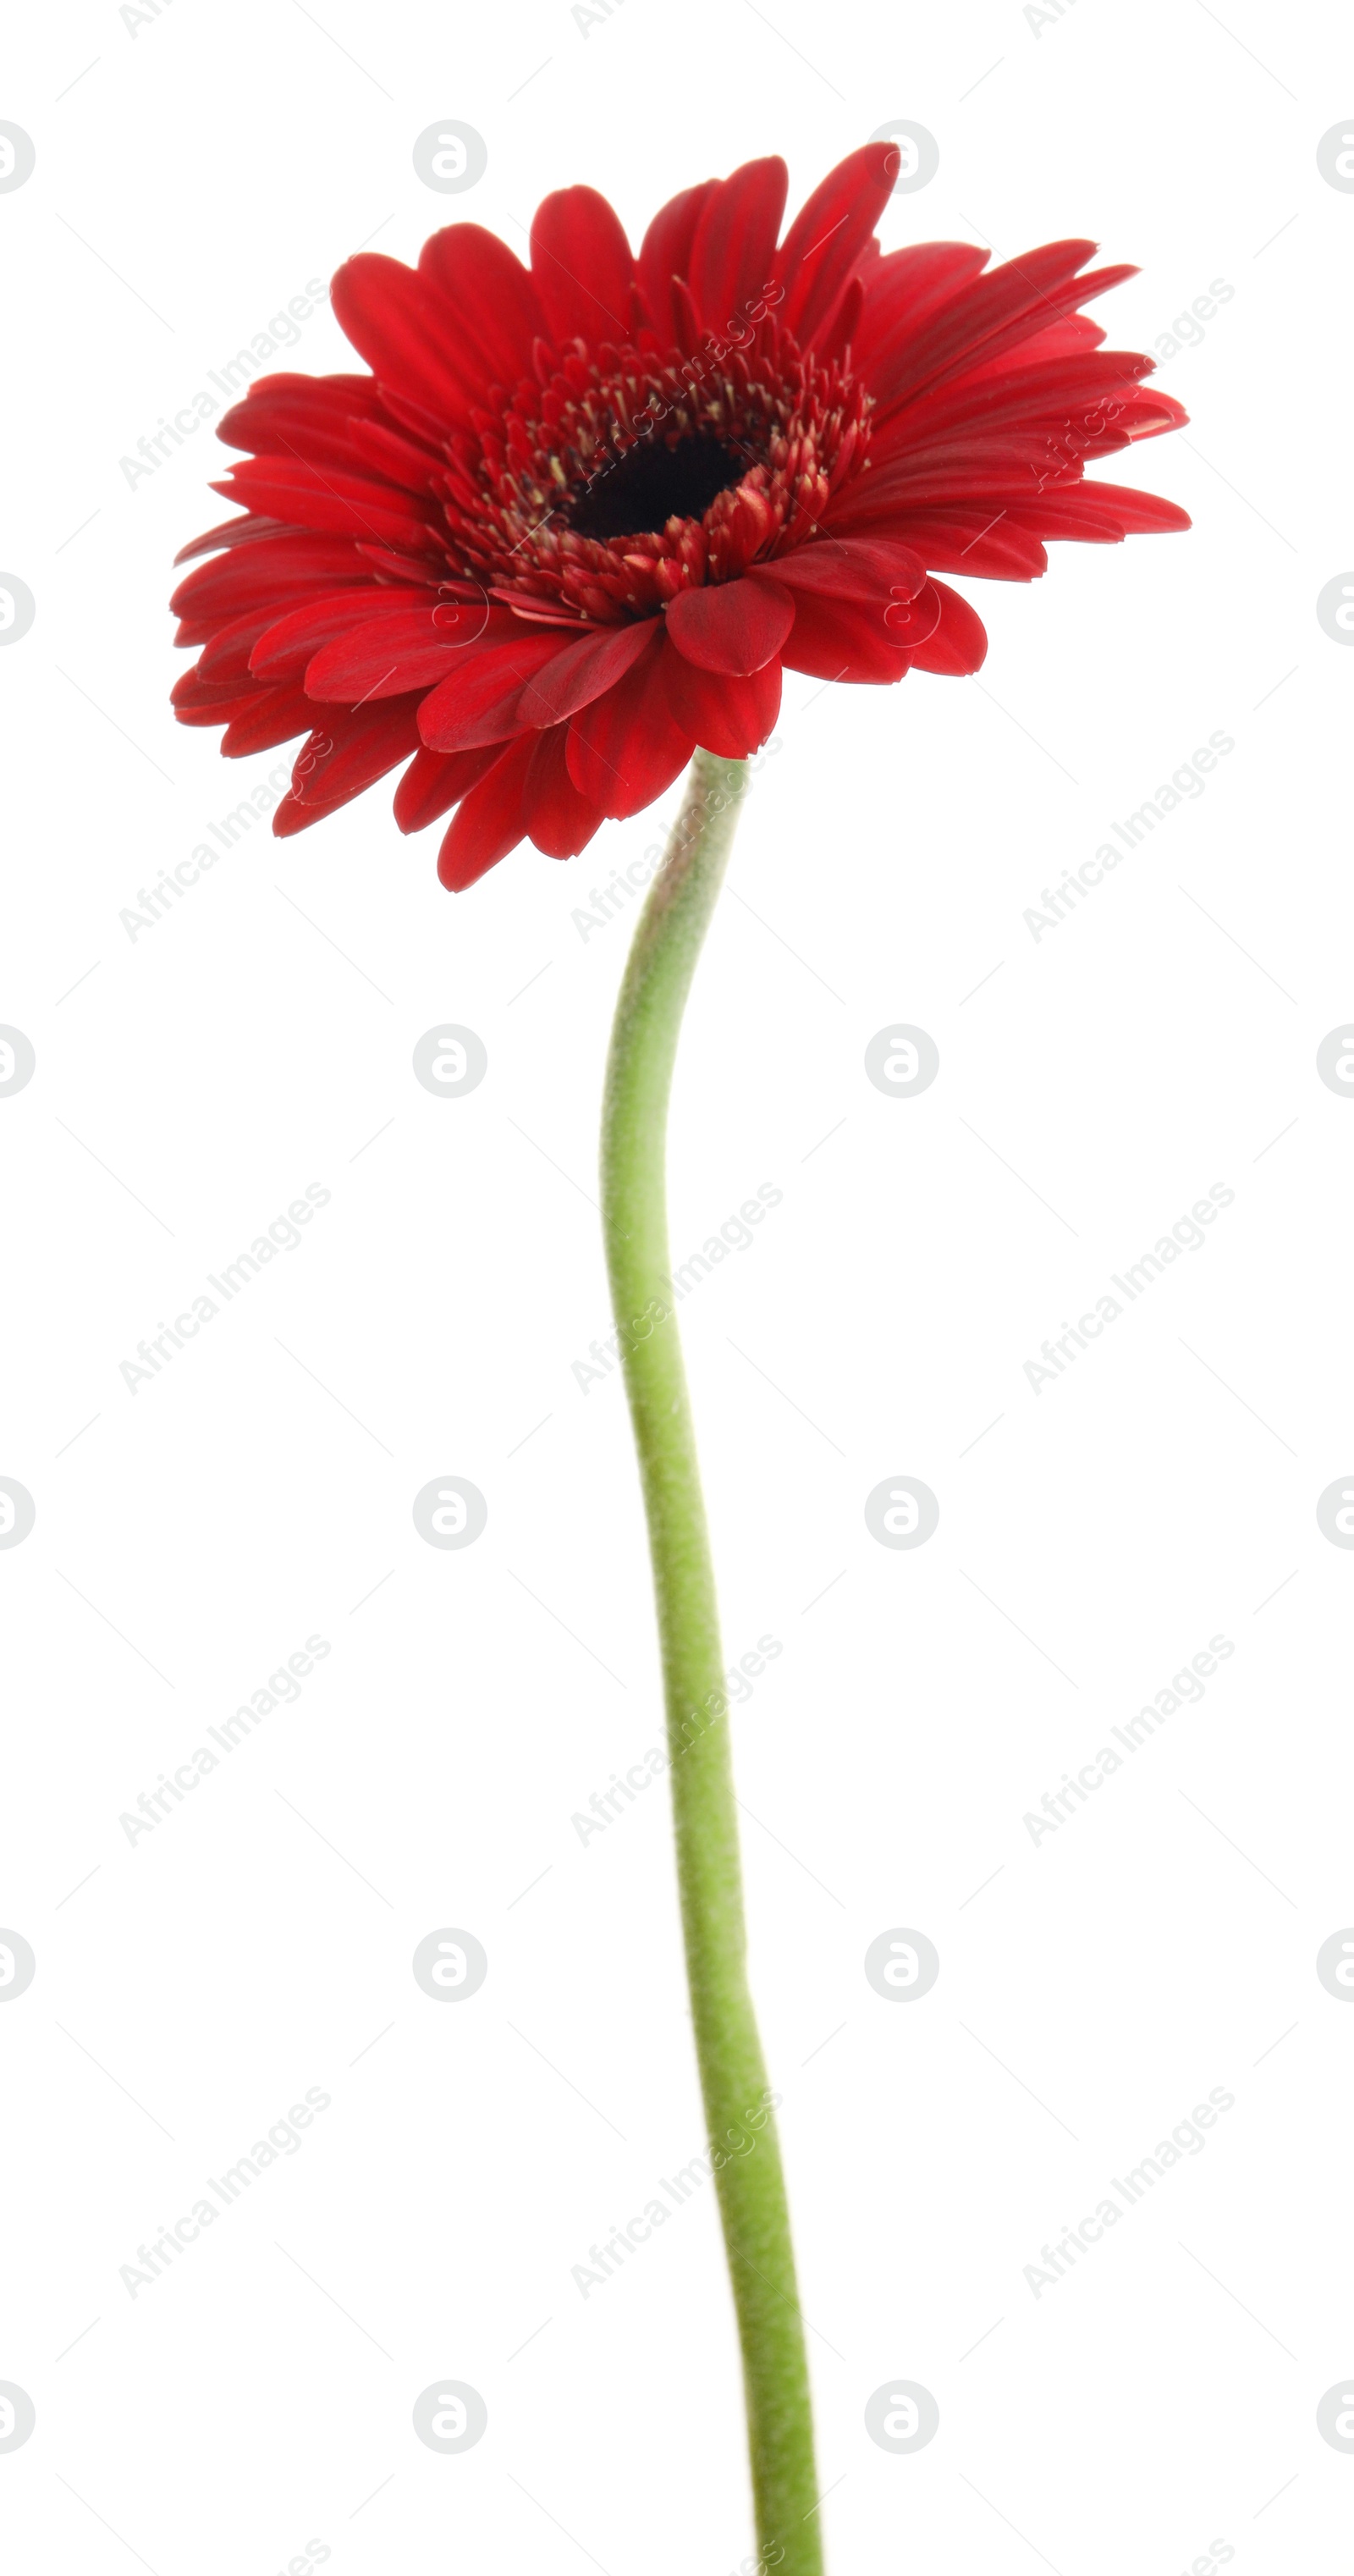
(579, 516)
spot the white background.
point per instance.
(191, 176)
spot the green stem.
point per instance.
(742, 2133)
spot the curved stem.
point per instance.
(741, 2128)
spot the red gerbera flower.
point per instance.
(579, 517)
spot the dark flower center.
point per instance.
(624, 475)
(636, 494)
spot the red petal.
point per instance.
(407, 569)
(981, 542)
(1078, 395)
(968, 312)
(1063, 339)
(399, 325)
(229, 532)
(254, 575)
(277, 716)
(1139, 514)
(959, 644)
(734, 626)
(428, 427)
(298, 432)
(734, 244)
(833, 342)
(728, 716)
(686, 320)
(415, 650)
(1016, 466)
(1070, 512)
(581, 672)
(309, 416)
(625, 748)
(842, 639)
(479, 702)
(871, 570)
(315, 496)
(292, 817)
(288, 642)
(558, 819)
(435, 780)
(908, 286)
(489, 823)
(826, 239)
(908, 622)
(387, 452)
(229, 648)
(352, 750)
(491, 295)
(204, 702)
(581, 266)
(1151, 412)
(665, 253)
(988, 319)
